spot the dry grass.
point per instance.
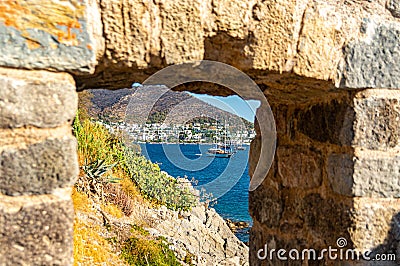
(113, 210)
(119, 198)
(81, 201)
(128, 186)
(142, 251)
(90, 248)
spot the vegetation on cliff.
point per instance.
(113, 180)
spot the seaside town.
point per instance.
(205, 132)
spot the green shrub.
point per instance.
(157, 185)
(95, 142)
(139, 251)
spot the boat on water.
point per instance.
(221, 151)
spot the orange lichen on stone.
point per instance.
(54, 17)
(32, 44)
(9, 10)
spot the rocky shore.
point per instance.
(201, 234)
(198, 237)
(239, 227)
(236, 225)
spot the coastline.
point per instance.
(184, 143)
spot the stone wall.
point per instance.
(38, 166)
(332, 40)
(39, 42)
(329, 69)
(335, 174)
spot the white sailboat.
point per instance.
(221, 150)
(240, 147)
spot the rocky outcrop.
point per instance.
(237, 226)
(202, 234)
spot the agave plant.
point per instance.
(95, 177)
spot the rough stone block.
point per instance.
(38, 168)
(377, 175)
(377, 119)
(374, 61)
(326, 218)
(36, 230)
(266, 204)
(292, 221)
(366, 174)
(375, 223)
(36, 98)
(65, 40)
(316, 217)
(299, 167)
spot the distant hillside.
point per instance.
(172, 107)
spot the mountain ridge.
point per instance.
(171, 108)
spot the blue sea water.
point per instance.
(225, 178)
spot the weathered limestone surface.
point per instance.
(39, 168)
(203, 233)
(57, 35)
(383, 108)
(36, 98)
(36, 230)
(373, 61)
(337, 41)
(352, 43)
(377, 224)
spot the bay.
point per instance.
(224, 177)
